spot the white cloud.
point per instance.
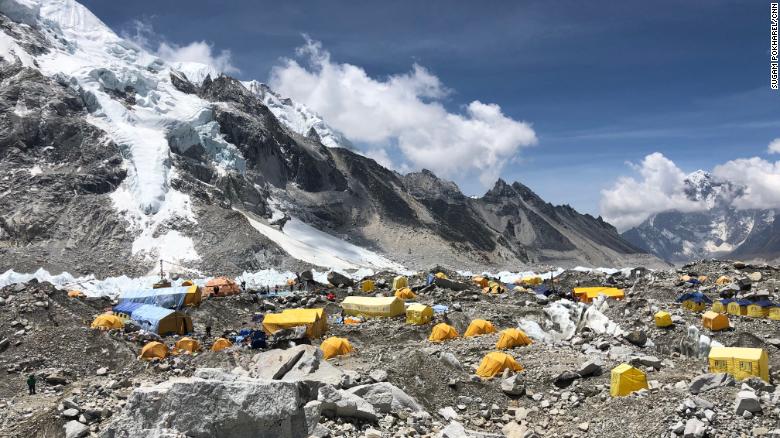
(660, 187)
(774, 146)
(761, 179)
(405, 112)
(142, 33)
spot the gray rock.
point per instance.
(706, 382)
(102, 371)
(453, 430)
(337, 279)
(747, 401)
(694, 429)
(386, 397)
(648, 361)
(514, 385)
(74, 429)
(4, 343)
(300, 363)
(70, 413)
(565, 379)
(313, 411)
(378, 375)
(213, 403)
(336, 403)
(590, 368)
(448, 413)
(450, 360)
(637, 337)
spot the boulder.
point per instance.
(706, 382)
(300, 363)
(648, 361)
(338, 403)
(378, 393)
(213, 403)
(337, 279)
(453, 430)
(74, 429)
(378, 375)
(514, 386)
(694, 429)
(637, 337)
(590, 368)
(747, 401)
(450, 360)
(754, 276)
(565, 379)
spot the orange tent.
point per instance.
(496, 362)
(221, 344)
(187, 344)
(154, 350)
(442, 332)
(75, 294)
(221, 287)
(479, 327)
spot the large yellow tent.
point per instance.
(107, 321)
(419, 314)
(717, 306)
(373, 306)
(442, 332)
(694, 306)
(221, 344)
(334, 346)
(533, 280)
(315, 320)
(494, 287)
(774, 313)
(495, 363)
(734, 308)
(154, 350)
(626, 379)
(479, 327)
(400, 282)
(714, 321)
(405, 294)
(588, 294)
(740, 362)
(367, 286)
(480, 281)
(756, 310)
(187, 344)
(663, 319)
(511, 338)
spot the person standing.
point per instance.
(31, 384)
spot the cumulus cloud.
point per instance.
(774, 146)
(404, 111)
(142, 33)
(660, 187)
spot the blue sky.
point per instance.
(602, 83)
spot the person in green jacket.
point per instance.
(31, 384)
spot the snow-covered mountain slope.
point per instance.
(115, 159)
(717, 230)
(297, 117)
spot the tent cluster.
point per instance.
(220, 287)
(761, 308)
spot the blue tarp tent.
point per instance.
(126, 307)
(167, 297)
(696, 297)
(160, 320)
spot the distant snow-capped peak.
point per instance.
(297, 117)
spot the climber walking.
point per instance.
(31, 384)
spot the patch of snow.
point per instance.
(10, 51)
(35, 170)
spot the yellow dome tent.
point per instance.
(663, 319)
(386, 307)
(494, 287)
(75, 294)
(441, 275)
(442, 332)
(400, 282)
(107, 321)
(479, 327)
(722, 280)
(367, 286)
(533, 280)
(626, 379)
(480, 281)
(419, 314)
(740, 362)
(495, 363)
(511, 338)
(334, 346)
(714, 321)
(405, 294)
(187, 344)
(154, 350)
(315, 320)
(221, 344)
(774, 313)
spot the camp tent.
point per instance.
(154, 350)
(740, 362)
(722, 280)
(511, 338)
(494, 287)
(588, 294)
(405, 294)
(334, 346)
(124, 309)
(161, 321)
(442, 332)
(663, 319)
(719, 306)
(400, 282)
(441, 275)
(187, 344)
(694, 301)
(774, 313)
(495, 363)
(315, 321)
(75, 294)
(715, 321)
(221, 344)
(533, 280)
(738, 307)
(220, 287)
(168, 297)
(626, 379)
(107, 321)
(419, 314)
(367, 286)
(479, 327)
(759, 309)
(373, 306)
(480, 281)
